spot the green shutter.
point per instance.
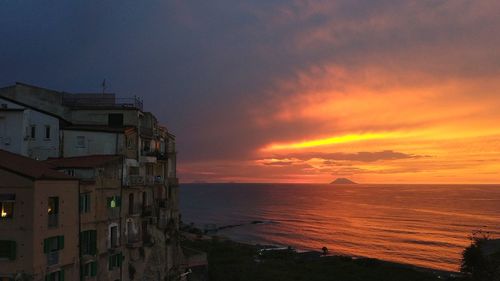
(108, 202)
(119, 258)
(93, 242)
(93, 269)
(61, 275)
(87, 203)
(60, 242)
(81, 203)
(118, 201)
(47, 277)
(12, 250)
(110, 262)
(46, 245)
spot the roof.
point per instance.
(29, 168)
(88, 161)
(95, 128)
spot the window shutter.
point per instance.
(118, 201)
(93, 241)
(110, 262)
(12, 250)
(81, 203)
(61, 275)
(60, 242)
(108, 202)
(46, 245)
(93, 269)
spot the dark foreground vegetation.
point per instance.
(231, 261)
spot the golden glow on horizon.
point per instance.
(330, 141)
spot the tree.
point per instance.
(475, 264)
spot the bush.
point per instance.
(475, 264)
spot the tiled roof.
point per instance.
(89, 161)
(28, 167)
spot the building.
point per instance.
(27, 131)
(38, 221)
(95, 128)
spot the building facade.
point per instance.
(38, 221)
(129, 224)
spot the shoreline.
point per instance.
(283, 256)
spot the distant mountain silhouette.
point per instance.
(342, 181)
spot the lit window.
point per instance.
(80, 141)
(7, 201)
(113, 202)
(53, 211)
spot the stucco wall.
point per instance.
(95, 143)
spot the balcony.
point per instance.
(135, 210)
(173, 181)
(147, 211)
(53, 220)
(135, 180)
(134, 241)
(101, 100)
(52, 258)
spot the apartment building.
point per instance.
(38, 221)
(95, 128)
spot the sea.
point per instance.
(422, 225)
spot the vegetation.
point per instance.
(476, 264)
(231, 261)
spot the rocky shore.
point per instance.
(231, 261)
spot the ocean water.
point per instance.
(422, 225)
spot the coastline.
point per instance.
(254, 263)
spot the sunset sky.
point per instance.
(284, 91)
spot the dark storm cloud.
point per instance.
(203, 66)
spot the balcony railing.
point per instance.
(52, 258)
(53, 220)
(135, 209)
(135, 180)
(98, 100)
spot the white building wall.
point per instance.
(15, 131)
(80, 143)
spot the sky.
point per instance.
(284, 91)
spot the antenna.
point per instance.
(103, 85)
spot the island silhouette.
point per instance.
(342, 181)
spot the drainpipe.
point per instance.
(120, 221)
(79, 236)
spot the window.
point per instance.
(113, 237)
(53, 211)
(70, 172)
(55, 276)
(47, 132)
(89, 242)
(115, 261)
(53, 244)
(80, 141)
(89, 269)
(114, 202)
(131, 207)
(7, 249)
(33, 132)
(115, 119)
(7, 201)
(85, 202)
